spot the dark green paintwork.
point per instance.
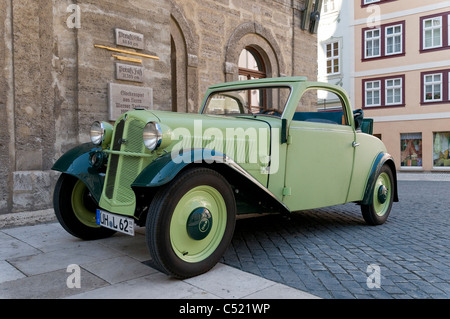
(164, 169)
(76, 163)
(381, 160)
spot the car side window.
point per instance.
(321, 106)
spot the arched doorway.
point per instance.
(251, 65)
(184, 63)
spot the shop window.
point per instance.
(441, 149)
(411, 150)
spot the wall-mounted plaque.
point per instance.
(130, 39)
(129, 72)
(124, 98)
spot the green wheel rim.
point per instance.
(84, 215)
(189, 249)
(382, 194)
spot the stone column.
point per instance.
(7, 158)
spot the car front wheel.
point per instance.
(382, 198)
(75, 209)
(190, 223)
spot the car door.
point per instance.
(320, 152)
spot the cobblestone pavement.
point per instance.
(328, 252)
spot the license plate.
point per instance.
(115, 222)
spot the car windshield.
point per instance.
(255, 101)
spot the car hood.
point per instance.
(186, 120)
(245, 139)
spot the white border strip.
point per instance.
(400, 14)
(412, 117)
(405, 68)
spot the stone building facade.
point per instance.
(54, 78)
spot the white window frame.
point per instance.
(370, 1)
(372, 90)
(333, 57)
(433, 83)
(448, 29)
(372, 40)
(433, 28)
(394, 88)
(329, 6)
(394, 35)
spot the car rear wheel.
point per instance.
(190, 223)
(75, 209)
(382, 198)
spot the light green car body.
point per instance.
(318, 164)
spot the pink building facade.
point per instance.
(401, 78)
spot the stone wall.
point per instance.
(54, 81)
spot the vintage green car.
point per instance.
(271, 145)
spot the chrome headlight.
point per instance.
(152, 136)
(101, 133)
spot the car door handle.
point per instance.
(354, 144)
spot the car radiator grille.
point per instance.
(123, 169)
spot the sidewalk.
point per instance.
(34, 263)
(424, 176)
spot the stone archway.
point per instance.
(184, 63)
(258, 38)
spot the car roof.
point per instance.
(279, 80)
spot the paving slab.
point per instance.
(9, 272)
(44, 237)
(13, 248)
(49, 285)
(279, 291)
(154, 286)
(119, 269)
(236, 284)
(85, 252)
